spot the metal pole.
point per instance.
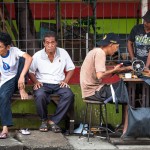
(87, 43)
(144, 7)
(94, 5)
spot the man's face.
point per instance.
(50, 44)
(3, 49)
(146, 25)
(113, 48)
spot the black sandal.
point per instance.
(55, 128)
(43, 127)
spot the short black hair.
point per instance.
(5, 38)
(50, 34)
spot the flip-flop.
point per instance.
(3, 135)
(24, 132)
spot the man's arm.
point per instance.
(131, 49)
(37, 84)
(21, 80)
(28, 60)
(117, 69)
(148, 61)
(64, 83)
(32, 77)
(68, 76)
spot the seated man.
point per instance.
(14, 65)
(47, 74)
(93, 70)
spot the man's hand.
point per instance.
(117, 67)
(64, 84)
(129, 68)
(146, 72)
(37, 85)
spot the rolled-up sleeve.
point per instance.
(33, 66)
(69, 64)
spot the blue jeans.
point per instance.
(6, 92)
(42, 99)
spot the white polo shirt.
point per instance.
(9, 64)
(51, 72)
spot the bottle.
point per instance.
(71, 126)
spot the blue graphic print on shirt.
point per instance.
(6, 66)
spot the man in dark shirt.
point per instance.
(139, 41)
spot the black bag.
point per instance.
(138, 122)
(121, 94)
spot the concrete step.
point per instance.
(35, 141)
(56, 141)
(10, 144)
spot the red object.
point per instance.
(111, 79)
(46, 10)
(74, 80)
(107, 80)
(76, 77)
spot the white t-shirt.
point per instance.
(9, 64)
(51, 72)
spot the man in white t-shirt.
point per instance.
(48, 76)
(14, 65)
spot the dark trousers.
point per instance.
(121, 94)
(42, 99)
(105, 92)
(6, 92)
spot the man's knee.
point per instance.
(39, 95)
(70, 94)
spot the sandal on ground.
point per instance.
(43, 127)
(55, 128)
(3, 135)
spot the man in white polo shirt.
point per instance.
(47, 73)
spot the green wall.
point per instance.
(119, 26)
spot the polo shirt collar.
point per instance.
(45, 56)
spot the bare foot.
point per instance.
(23, 94)
(4, 133)
(5, 129)
(51, 122)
